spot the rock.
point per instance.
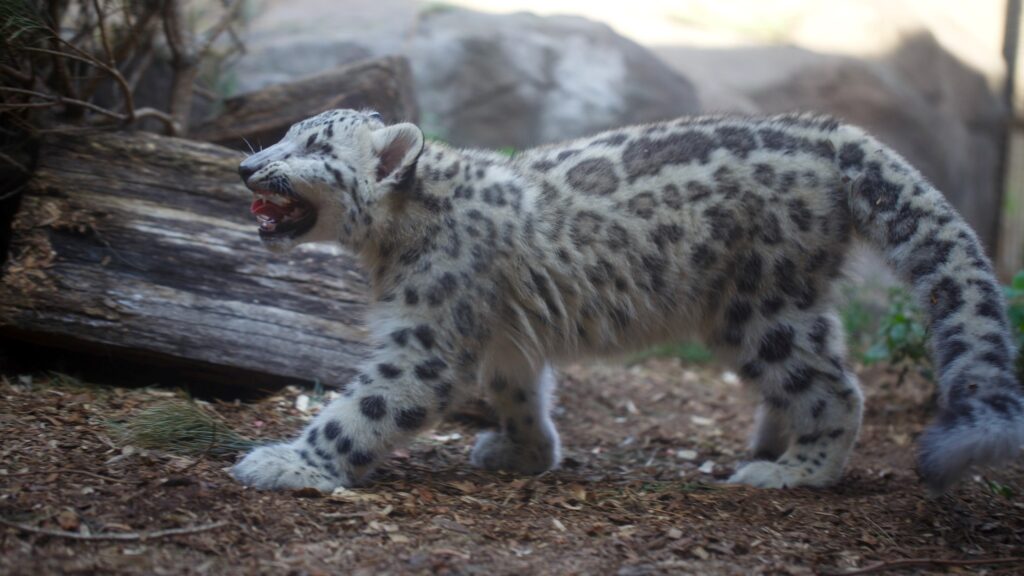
(290, 58)
(919, 99)
(263, 116)
(936, 112)
(520, 80)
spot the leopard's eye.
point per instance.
(376, 116)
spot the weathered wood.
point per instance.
(143, 244)
(262, 117)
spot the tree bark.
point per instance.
(262, 117)
(142, 244)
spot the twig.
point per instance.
(142, 62)
(16, 74)
(131, 42)
(172, 126)
(23, 105)
(915, 562)
(103, 33)
(60, 66)
(130, 536)
(205, 93)
(230, 13)
(58, 99)
(12, 193)
(129, 101)
(67, 471)
(17, 165)
(54, 53)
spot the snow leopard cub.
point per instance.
(486, 270)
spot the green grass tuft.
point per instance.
(21, 22)
(184, 428)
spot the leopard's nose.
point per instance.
(246, 170)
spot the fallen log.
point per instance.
(142, 246)
(262, 117)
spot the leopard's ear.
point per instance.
(397, 149)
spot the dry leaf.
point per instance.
(68, 520)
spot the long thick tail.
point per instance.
(981, 418)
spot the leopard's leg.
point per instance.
(771, 436)
(812, 398)
(405, 388)
(521, 393)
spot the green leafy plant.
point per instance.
(860, 322)
(902, 339)
(1015, 310)
(1001, 489)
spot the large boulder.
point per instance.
(280, 60)
(519, 80)
(925, 103)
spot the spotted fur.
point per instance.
(488, 270)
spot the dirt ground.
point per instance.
(639, 492)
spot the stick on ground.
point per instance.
(918, 562)
(129, 536)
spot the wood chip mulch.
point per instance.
(639, 492)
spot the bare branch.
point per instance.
(100, 22)
(230, 14)
(174, 32)
(130, 42)
(143, 60)
(59, 99)
(26, 105)
(16, 74)
(84, 56)
(173, 129)
(17, 165)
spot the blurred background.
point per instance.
(930, 77)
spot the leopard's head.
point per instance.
(322, 181)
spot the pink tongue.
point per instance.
(268, 209)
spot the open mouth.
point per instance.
(282, 216)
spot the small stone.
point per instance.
(68, 520)
(687, 454)
(701, 421)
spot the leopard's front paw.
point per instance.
(283, 466)
(763, 474)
